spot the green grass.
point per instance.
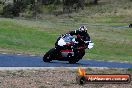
(38, 36)
(111, 44)
(23, 38)
(129, 69)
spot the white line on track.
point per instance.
(50, 68)
(4, 53)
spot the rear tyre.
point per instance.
(47, 57)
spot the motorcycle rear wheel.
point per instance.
(47, 56)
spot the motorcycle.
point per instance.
(72, 54)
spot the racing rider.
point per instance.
(81, 32)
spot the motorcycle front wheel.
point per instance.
(73, 61)
(77, 57)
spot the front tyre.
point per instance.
(72, 61)
(77, 57)
(47, 56)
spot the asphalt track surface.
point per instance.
(11, 60)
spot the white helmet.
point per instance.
(83, 28)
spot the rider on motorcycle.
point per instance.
(81, 33)
(70, 46)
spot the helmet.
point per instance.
(83, 29)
